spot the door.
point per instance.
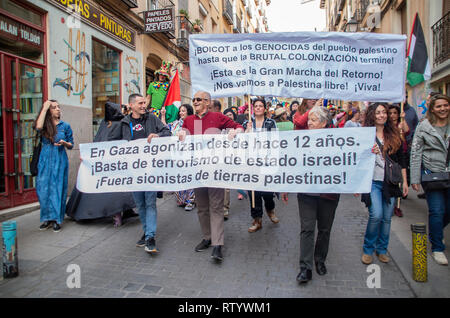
(22, 98)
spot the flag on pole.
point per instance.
(418, 63)
(172, 102)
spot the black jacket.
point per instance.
(83, 206)
(152, 125)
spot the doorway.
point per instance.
(22, 96)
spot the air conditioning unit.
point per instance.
(184, 34)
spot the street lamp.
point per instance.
(351, 26)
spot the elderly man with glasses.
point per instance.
(209, 200)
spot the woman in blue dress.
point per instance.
(53, 166)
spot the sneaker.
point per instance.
(189, 207)
(398, 212)
(256, 225)
(204, 244)
(273, 217)
(150, 246)
(440, 258)
(366, 259)
(383, 258)
(421, 196)
(45, 225)
(226, 214)
(56, 227)
(141, 242)
(117, 220)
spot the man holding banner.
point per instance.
(137, 125)
(209, 200)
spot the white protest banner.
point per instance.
(347, 66)
(312, 161)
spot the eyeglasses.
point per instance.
(198, 99)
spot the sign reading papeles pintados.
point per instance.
(347, 66)
(312, 161)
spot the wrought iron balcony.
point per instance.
(237, 26)
(441, 40)
(228, 11)
(185, 28)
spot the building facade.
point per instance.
(397, 16)
(86, 52)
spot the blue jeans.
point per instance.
(379, 224)
(438, 217)
(146, 206)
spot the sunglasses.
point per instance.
(198, 99)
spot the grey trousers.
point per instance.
(210, 213)
(226, 200)
(314, 209)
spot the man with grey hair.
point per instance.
(209, 200)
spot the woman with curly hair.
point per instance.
(381, 199)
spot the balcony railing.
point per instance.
(362, 10)
(441, 40)
(228, 11)
(185, 28)
(237, 27)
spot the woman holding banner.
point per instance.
(430, 153)
(185, 198)
(315, 208)
(381, 200)
(53, 166)
(261, 123)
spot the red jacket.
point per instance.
(213, 122)
(300, 121)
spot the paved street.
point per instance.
(261, 264)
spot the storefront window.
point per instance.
(21, 12)
(21, 40)
(105, 80)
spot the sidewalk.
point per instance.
(261, 264)
(415, 210)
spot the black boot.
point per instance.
(304, 276)
(217, 253)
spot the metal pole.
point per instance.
(419, 252)
(10, 259)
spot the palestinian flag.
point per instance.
(173, 99)
(418, 63)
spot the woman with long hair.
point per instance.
(381, 199)
(261, 123)
(185, 198)
(53, 166)
(429, 153)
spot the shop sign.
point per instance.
(160, 20)
(17, 31)
(95, 17)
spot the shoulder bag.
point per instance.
(437, 180)
(392, 170)
(36, 153)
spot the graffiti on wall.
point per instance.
(75, 69)
(134, 84)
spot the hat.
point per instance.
(279, 112)
(164, 69)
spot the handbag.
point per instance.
(437, 180)
(35, 157)
(392, 170)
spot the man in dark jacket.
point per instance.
(141, 124)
